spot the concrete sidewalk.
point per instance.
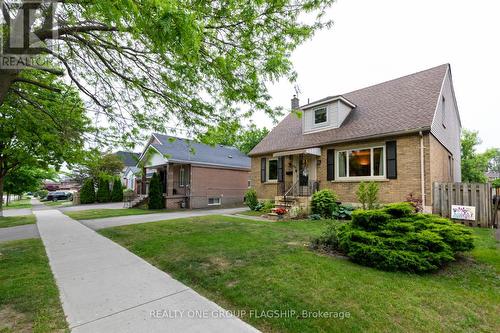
(109, 222)
(105, 288)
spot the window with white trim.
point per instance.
(215, 201)
(320, 116)
(272, 170)
(361, 163)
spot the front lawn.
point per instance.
(91, 214)
(58, 203)
(252, 265)
(23, 203)
(252, 213)
(29, 298)
(12, 221)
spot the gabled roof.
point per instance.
(397, 106)
(185, 150)
(128, 158)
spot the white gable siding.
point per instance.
(156, 159)
(449, 134)
(337, 111)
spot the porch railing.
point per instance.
(290, 189)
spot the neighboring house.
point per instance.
(130, 176)
(403, 134)
(127, 175)
(195, 175)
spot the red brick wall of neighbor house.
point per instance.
(394, 190)
(228, 184)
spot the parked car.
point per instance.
(58, 195)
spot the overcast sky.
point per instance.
(377, 40)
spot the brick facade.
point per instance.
(229, 185)
(391, 190)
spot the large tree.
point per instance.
(96, 164)
(26, 179)
(474, 164)
(149, 63)
(232, 133)
(40, 128)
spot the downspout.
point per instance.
(422, 168)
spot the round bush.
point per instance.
(394, 239)
(323, 203)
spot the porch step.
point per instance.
(139, 201)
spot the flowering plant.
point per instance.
(280, 211)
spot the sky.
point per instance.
(373, 41)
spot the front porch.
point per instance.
(175, 183)
(297, 172)
(296, 177)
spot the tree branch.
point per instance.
(39, 84)
(54, 71)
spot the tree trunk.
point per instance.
(1, 196)
(6, 79)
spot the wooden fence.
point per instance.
(466, 194)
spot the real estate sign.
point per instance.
(463, 212)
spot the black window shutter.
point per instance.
(280, 169)
(263, 170)
(391, 159)
(330, 164)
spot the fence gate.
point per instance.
(465, 194)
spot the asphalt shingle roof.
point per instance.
(403, 104)
(128, 158)
(184, 150)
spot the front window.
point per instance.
(320, 116)
(361, 163)
(272, 170)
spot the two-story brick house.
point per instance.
(403, 134)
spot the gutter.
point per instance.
(360, 138)
(422, 168)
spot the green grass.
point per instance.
(58, 203)
(12, 221)
(23, 203)
(252, 265)
(102, 213)
(252, 213)
(29, 298)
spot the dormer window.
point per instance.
(320, 116)
(325, 114)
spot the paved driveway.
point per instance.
(137, 219)
(19, 232)
(17, 212)
(106, 288)
(111, 205)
